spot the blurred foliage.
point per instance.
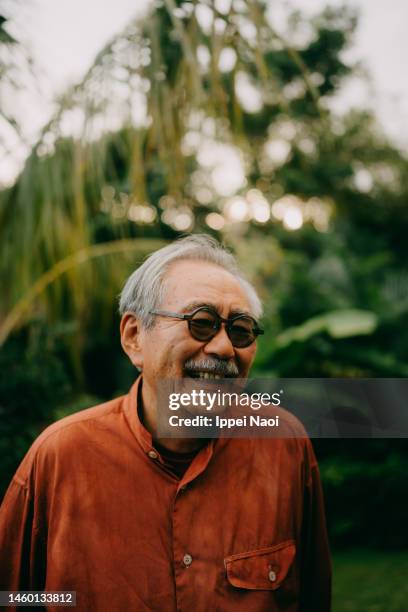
(365, 491)
(32, 382)
(201, 118)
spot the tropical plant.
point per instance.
(137, 147)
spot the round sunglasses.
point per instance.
(204, 324)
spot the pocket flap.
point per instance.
(262, 569)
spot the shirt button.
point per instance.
(152, 454)
(187, 560)
(272, 576)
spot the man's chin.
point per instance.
(207, 394)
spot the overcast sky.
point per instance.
(66, 35)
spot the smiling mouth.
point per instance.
(205, 375)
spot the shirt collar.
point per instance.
(130, 408)
(145, 439)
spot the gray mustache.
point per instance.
(214, 366)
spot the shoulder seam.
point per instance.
(38, 444)
(63, 427)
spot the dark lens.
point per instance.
(203, 325)
(242, 332)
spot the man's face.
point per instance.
(168, 347)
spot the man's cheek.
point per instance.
(244, 365)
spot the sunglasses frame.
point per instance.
(218, 322)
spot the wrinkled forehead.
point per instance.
(188, 282)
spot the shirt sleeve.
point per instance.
(316, 567)
(22, 553)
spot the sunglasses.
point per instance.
(204, 324)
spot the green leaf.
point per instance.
(337, 323)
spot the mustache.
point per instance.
(220, 367)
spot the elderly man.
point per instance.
(103, 507)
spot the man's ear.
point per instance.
(130, 337)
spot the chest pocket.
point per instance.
(262, 569)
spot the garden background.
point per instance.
(204, 117)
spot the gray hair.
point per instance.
(144, 289)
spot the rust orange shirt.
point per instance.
(92, 510)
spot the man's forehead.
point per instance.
(189, 282)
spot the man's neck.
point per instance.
(147, 410)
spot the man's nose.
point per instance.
(220, 345)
